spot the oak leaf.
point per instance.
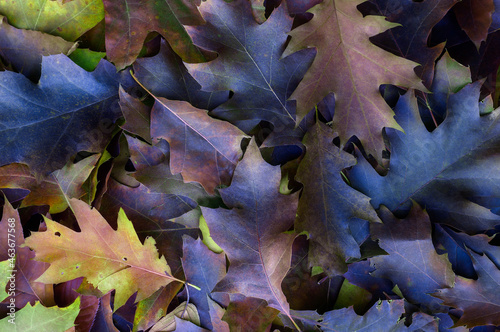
(202, 149)
(479, 299)
(108, 259)
(412, 262)
(128, 23)
(246, 47)
(328, 205)
(252, 232)
(353, 68)
(408, 39)
(39, 318)
(61, 115)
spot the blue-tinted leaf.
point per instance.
(412, 264)
(61, 115)
(249, 63)
(440, 169)
(166, 76)
(328, 206)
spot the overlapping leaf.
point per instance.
(21, 265)
(165, 75)
(47, 319)
(128, 23)
(24, 49)
(328, 204)
(68, 20)
(244, 46)
(57, 115)
(474, 16)
(108, 259)
(252, 231)
(479, 299)
(409, 39)
(202, 149)
(412, 264)
(350, 66)
(203, 268)
(439, 169)
(384, 316)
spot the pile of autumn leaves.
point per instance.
(153, 176)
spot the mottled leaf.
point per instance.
(119, 262)
(61, 185)
(412, 264)
(150, 310)
(350, 66)
(68, 21)
(328, 204)
(479, 299)
(59, 116)
(247, 314)
(246, 47)
(155, 215)
(128, 23)
(252, 232)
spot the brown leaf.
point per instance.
(479, 299)
(353, 68)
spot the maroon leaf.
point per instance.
(479, 299)
(474, 16)
(350, 66)
(248, 314)
(252, 232)
(128, 23)
(137, 115)
(202, 149)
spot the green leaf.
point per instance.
(69, 21)
(86, 58)
(39, 318)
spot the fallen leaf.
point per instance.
(117, 263)
(412, 262)
(252, 232)
(245, 46)
(353, 68)
(479, 299)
